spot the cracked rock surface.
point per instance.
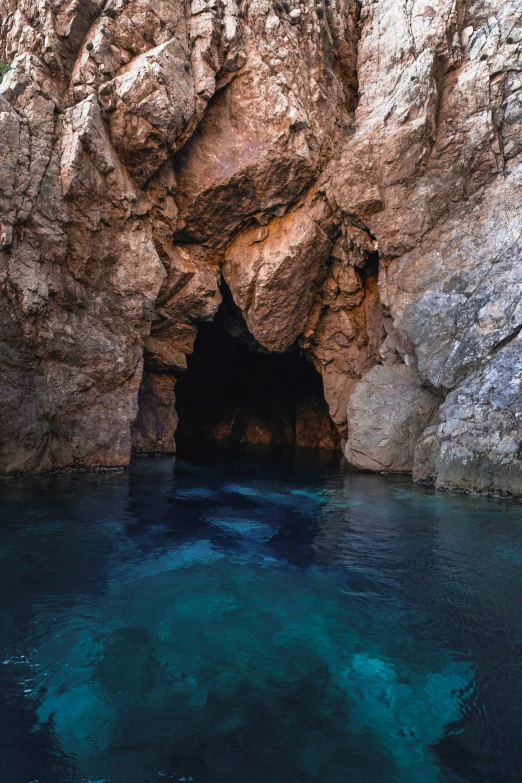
(351, 170)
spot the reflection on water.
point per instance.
(250, 621)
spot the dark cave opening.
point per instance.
(371, 265)
(234, 392)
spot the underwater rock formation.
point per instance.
(351, 170)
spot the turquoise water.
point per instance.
(257, 621)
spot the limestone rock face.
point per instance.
(350, 172)
(442, 201)
(477, 442)
(387, 414)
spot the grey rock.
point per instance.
(387, 413)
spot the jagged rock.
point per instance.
(189, 295)
(150, 104)
(155, 426)
(441, 177)
(343, 333)
(275, 125)
(477, 443)
(387, 413)
(272, 272)
(354, 174)
(78, 282)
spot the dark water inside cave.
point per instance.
(248, 620)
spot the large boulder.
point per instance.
(387, 413)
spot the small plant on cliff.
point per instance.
(4, 68)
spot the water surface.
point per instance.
(257, 621)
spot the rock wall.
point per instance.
(351, 169)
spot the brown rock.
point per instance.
(272, 273)
(155, 426)
(355, 177)
(150, 104)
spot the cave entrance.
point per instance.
(234, 392)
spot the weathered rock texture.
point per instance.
(353, 171)
(387, 414)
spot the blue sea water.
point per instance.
(257, 621)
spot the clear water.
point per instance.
(254, 622)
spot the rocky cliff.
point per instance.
(350, 172)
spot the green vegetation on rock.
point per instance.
(4, 68)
